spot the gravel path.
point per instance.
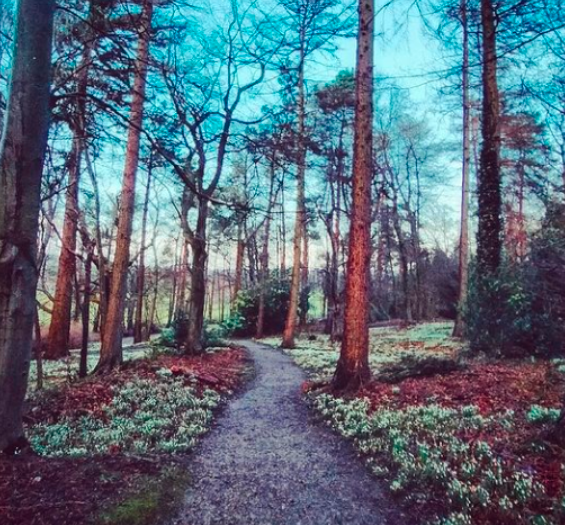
(266, 462)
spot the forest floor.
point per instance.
(268, 462)
(462, 448)
(112, 450)
(465, 447)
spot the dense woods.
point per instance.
(184, 173)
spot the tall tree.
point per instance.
(352, 369)
(58, 339)
(489, 239)
(138, 332)
(111, 349)
(22, 152)
(206, 102)
(315, 23)
(459, 326)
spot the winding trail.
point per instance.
(266, 462)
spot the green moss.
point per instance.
(153, 501)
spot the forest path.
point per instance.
(266, 462)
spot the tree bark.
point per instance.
(240, 253)
(58, 338)
(403, 260)
(194, 340)
(138, 331)
(292, 315)
(83, 367)
(22, 152)
(489, 239)
(111, 349)
(459, 327)
(352, 369)
(264, 278)
(304, 277)
(173, 295)
(183, 269)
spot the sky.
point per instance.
(409, 57)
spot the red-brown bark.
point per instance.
(352, 369)
(58, 338)
(292, 315)
(111, 349)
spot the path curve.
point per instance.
(266, 462)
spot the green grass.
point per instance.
(155, 501)
(387, 346)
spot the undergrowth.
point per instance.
(426, 451)
(143, 416)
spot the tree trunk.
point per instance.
(101, 262)
(304, 278)
(153, 305)
(194, 340)
(403, 261)
(58, 338)
(352, 369)
(38, 348)
(264, 278)
(111, 349)
(138, 331)
(211, 298)
(173, 295)
(181, 301)
(459, 327)
(489, 241)
(292, 315)
(83, 367)
(240, 253)
(22, 152)
(222, 300)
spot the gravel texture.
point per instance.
(267, 462)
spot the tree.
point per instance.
(58, 339)
(489, 235)
(207, 92)
(314, 22)
(138, 332)
(352, 369)
(21, 163)
(489, 239)
(111, 348)
(336, 102)
(458, 328)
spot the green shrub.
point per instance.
(521, 311)
(245, 311)
(214, 334)
(167, 337)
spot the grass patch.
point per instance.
(155, 503)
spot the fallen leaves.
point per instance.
(42, 491)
